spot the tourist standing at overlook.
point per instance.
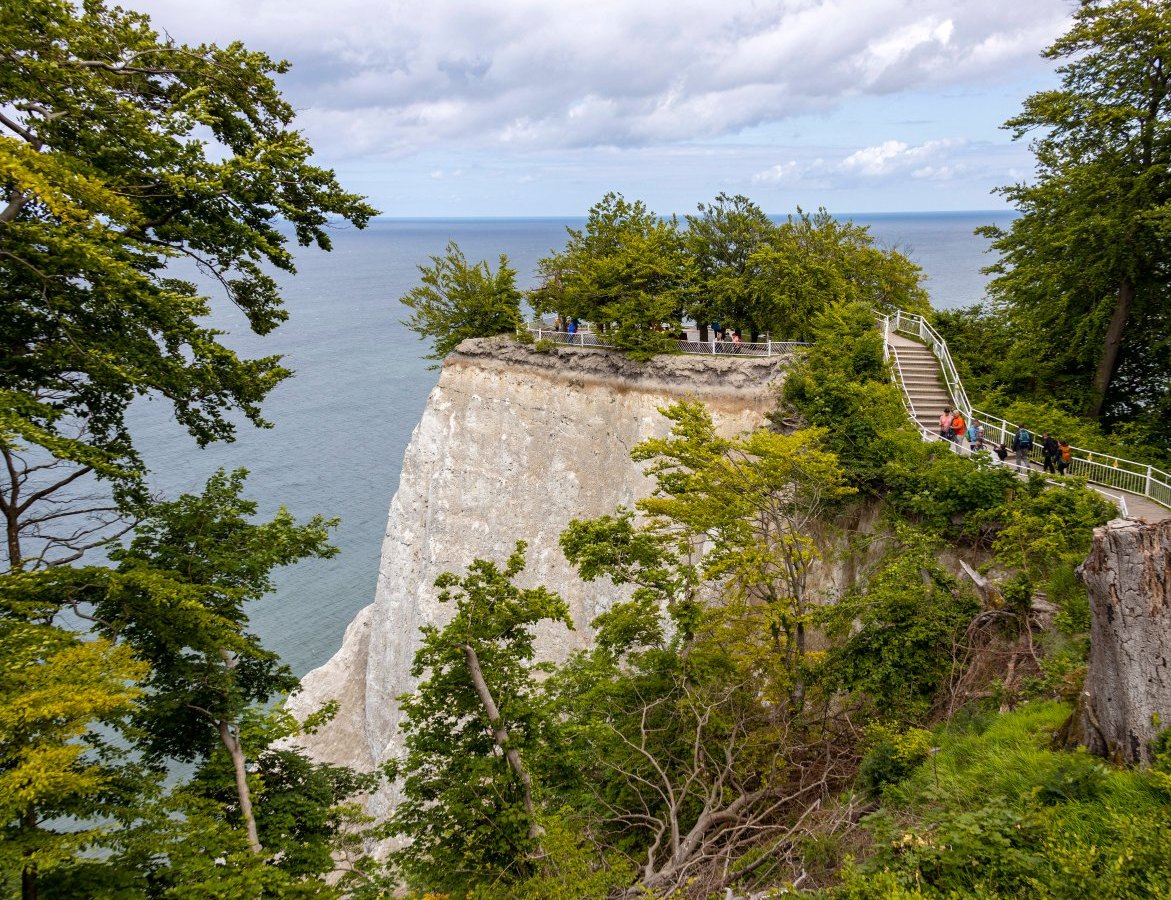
(945, 424)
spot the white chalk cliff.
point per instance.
(513, 444)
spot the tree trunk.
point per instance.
(703, 333)
(28, 873)
(231, 741)
(1108, 361)
(500, 736)
(1127, 697)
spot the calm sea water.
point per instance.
(341, 425)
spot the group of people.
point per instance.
(1056, 455)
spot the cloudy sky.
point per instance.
(538, 107)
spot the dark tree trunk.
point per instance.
(1108, 361)
(703, 333)
(1127, 696)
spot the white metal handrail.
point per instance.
(698, 348)
(1097, 468)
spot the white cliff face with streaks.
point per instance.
(512, 445)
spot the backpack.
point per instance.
(1026, 439)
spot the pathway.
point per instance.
(921, 377)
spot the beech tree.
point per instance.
(626, 271)
(58, 775)
(456, 300)
(469, 803)
(1083, 273)
(123, 151)
(722, 240)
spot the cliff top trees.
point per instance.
(627, 268)
(122, 151)
(457, 300)
(1083, 271)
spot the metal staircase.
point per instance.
(923, 367)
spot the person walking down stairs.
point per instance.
(1022, 444)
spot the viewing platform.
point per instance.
(691, 344)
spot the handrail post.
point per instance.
(769, 351)
(1147, 489)
(538, 334)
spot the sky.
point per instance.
(539, 107)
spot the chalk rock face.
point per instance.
(512, 445)
(1127, 698)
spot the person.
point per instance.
(945, 424)
(1066, 457)
(1001, 451)
(735, 341)
(958, 427)
(1049, 453)
(975, 435)
(1022, 444)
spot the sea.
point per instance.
(341, 425)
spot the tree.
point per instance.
(123, 152)
(626, 271)
(722, 240)
(469, 806)
(1083, 273)
(58, 775)
(179, 603)
(815, 261)
(753, 506)
(457, 301)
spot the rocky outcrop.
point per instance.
(513, 444)
(1127, 698)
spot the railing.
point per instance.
(699, 348)
(1097, 468)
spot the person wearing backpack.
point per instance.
(1022, 443)
(1066, 456)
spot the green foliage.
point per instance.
(123, 150)
(1042, 531)
(58, 775)
(723, 241)
(625, 271)
(457, 300)
(814, 262)
(573, 867)
(891, 755)
(951, 494)
(463, 805)
(1082, 274)
(179, 599)
(1000, 814)
(843, 386)
(896, 634)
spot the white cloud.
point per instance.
(893, 157)
(400, 77)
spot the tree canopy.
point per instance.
(456, 300)
(1083, 276)
(637, 275)
(124, 151)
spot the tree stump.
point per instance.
(1127, 699)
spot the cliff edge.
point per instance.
(512, 445)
